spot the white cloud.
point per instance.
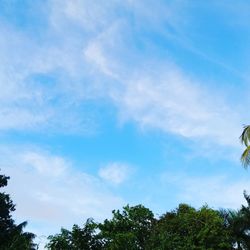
(155, 94)
(38, 85)
(45, 164)
(91, 16)
(54, 103)
(217, 191)
(172, 102)
(161, 95)
(115, 172)
(50, 193)
(94, 54)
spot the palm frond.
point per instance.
(245, 136)
(247, 198)
(245, 157)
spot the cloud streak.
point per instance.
(60, 77)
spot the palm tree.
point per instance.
(245, 140)
(20, 239)
(238, 224)
(234, 221)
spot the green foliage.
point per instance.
(241, 224)
(86, 238)
(129, 229)
(187, 228)
(135, 228)
(245, 140)
(236, 225)
(12, 236)
(79, 238)
(245, 136)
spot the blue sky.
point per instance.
(105, 103)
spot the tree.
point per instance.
(188, 228)
(234, 221)
(12, 236)
(86, 238)
(238, 222)
(61, 241)
(127, 230)
(79, 238)
(245, 140)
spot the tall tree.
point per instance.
(238, 222)
(244, 217)
(79, 238)
(12, 236)
(188, 228)
(128, 229)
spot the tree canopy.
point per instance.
(184, 228)
(188, 228)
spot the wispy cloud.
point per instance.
(218, 191)
(115, 173)
(50, 192)
(38, 86)
(45, 164)
(173, 102)
(159, 94)
(153, 93)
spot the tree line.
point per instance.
(137, 228)
(184, 228)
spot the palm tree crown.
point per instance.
(245, 140)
